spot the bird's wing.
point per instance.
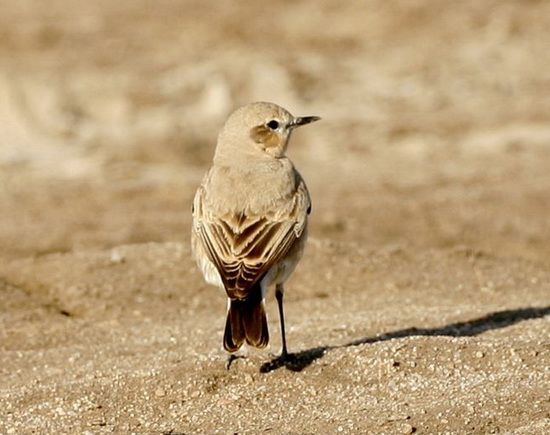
(244, 247)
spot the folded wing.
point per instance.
(243, 247)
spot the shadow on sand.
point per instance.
(499, 319)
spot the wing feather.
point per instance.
(244, 247)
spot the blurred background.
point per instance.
(435, 127)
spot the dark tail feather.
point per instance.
(255, 325)
(234, 334)
(246, 320)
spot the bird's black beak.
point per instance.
(304, 120)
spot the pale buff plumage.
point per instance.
(250, 218)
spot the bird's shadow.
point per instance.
(499, 319)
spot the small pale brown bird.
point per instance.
(250, 219)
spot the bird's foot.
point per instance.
(232, 357)
(286, 359)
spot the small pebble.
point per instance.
(407, 429)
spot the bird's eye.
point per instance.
(273, 125)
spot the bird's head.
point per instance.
(261, 127)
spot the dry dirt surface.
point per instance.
(422, 304)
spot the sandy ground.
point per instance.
(422, 304)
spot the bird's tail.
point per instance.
(246, 320)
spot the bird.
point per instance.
(250, 219)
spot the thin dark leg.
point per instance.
(279, 293)
(232, 357)
(286, 359)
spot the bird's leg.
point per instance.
(279, 293)
(286, 359)
(232, 357)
